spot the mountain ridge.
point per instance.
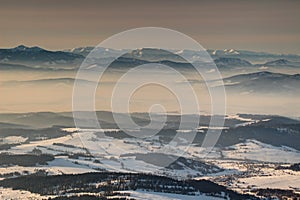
(38, 56)
(263, 81)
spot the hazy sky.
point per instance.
(58, 24)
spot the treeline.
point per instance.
(294, 167)
(109, 182)
(278, 193)
(25, 160)
(34, 134)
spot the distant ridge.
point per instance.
(263, 82)
(38, 56)
(233, 62)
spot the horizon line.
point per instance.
(207, 49)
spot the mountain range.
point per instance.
(263, 82)
(23, 57)
(38, 57)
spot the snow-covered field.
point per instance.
(255, 150)
(242, 176)
(101, 145)
(13, 140)
(115, 154)
(288, 180)
(9, 194)
(250, 164)
(141, 195)
(118, 154)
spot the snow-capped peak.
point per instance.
(230, 51)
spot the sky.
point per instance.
(271, 26)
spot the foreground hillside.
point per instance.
(256, 155)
